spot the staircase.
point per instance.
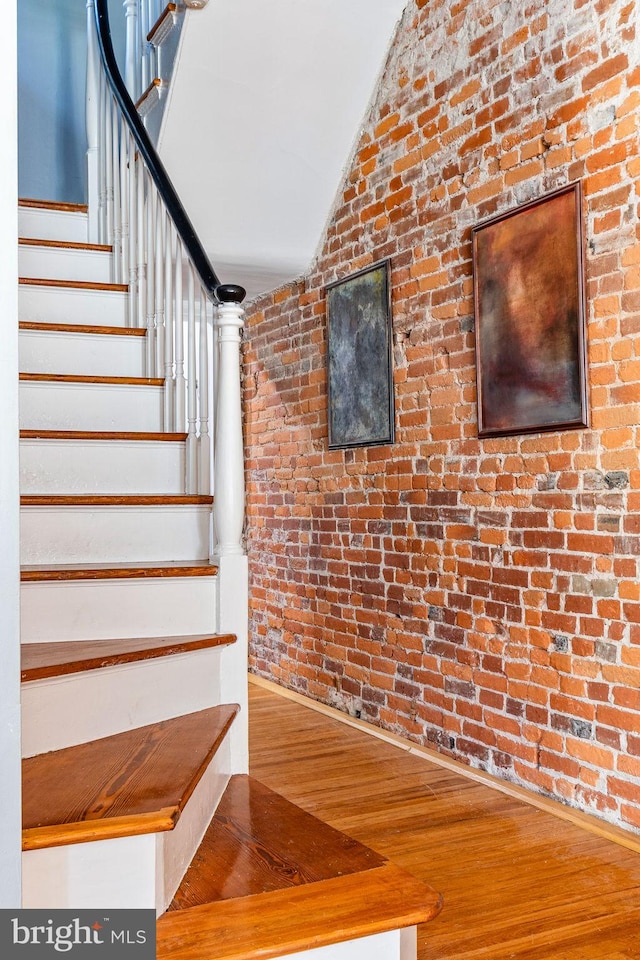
(135, 786)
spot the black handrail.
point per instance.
(217, 291)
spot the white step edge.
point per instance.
(390, 945)
(50, 466)
(46, 262)
(72, 305)
(88, 354)
(64, 711)
(114, 533)
(102, 609)
(51, 405)
(45, 224)
(127, 872)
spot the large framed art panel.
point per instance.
(529, 299)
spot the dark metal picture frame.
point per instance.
(359, 359)
(529, 299)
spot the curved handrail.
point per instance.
(199, 258)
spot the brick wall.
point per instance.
(479, 596)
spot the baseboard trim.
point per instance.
(579, 819)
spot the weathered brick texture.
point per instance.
(482, 597)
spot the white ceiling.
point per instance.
(266, 104)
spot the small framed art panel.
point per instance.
(529, 298)
(360, 370)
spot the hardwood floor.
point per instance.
(518, 883)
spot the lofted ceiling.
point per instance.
(266, 104)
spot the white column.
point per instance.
(92, 110)
(228, 509)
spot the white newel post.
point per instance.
(92, 110)
(228, 468)
(228, 512)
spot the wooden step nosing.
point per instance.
(95, 380)
(324, 913)
(59, 205)
(141, 571)
(88, 285)
(39, 838)
(65, 245)
(104, 435)
(115, 500)
(117, 656)
(84, 329)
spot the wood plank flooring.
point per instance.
(518, 883)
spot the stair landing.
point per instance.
(270, 880)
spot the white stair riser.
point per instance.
(47, 405)
(103, 609)
(72, 305)
(43, 224)
(135, 872)
(179, 845)
(58, 263)
(391, 945)
(95, 534)
(101, 466)
(92, 355)
(64, 711)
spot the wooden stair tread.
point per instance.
(87, 328)
(114, 500)
(127, 784)
(296, 919)
(156, 84)
(134, 436)
(30, 573)
(74, 284)
(258, 842)
(40, 661)
(53, 205)
(282, 881)
(79, 378)
(65, 244)
(168, 10)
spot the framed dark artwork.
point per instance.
(529, 299)
(360, 375)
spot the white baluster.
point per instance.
(102, 163)
(151, 287)
(141, 235)
(159, 290)
(204, 441)
(132, 68)
(117, 208)
(192, 396)
(124, 203)
(169, 424)
(108, 166)
(145, 79)
(92, 114)
(178, 329)
(229, 453)
(133, 233)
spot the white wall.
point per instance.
(52, 55)
(9, 560)
(51, 75)
(265, 107)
